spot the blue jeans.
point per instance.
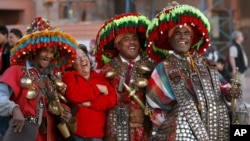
(78, 138)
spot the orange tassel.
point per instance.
(193, 67)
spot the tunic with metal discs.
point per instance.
(185, 95)
(126, 120)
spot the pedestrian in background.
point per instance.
(238, 58)
(14, 35)
(91, 51)
(221, 65)
(4, 49)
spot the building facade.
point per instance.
(83, 18)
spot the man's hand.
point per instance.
(17, 120)
(66, 115)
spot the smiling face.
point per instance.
(43, 57)
(128, 46)
(82, 63)
(181, 39)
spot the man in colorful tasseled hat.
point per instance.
(30, 88)
(121, 56)
(184, 90)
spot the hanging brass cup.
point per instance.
(63, 129)
(62, 98)
(111, 74)
(31, 93)
(60, 86)
(26, 82)
(54, 108)
(141, 82)
(143, 69)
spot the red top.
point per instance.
(90, 120)
(12, 78)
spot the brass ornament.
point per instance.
(54, 108)
(31, 93)
(63, 129)
(60, 86)
(141, 82)
(62, 98)
(143, 69)
(132, 93)
(59, 83)
(111, 74)
(26, 82)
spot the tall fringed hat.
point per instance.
(177, 15)
(120, 24)
(41, 34)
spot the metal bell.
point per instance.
(53, 108)
(61, 86)
(143, 69)
(111, 74)
(26, 82)
(141, 82)
(31, 93)
(62, 98)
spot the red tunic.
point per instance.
(28, 107)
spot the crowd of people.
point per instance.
(139, 80)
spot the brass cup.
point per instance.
(141, 82)
(26, 82)
(31, 93)
(62, 98)
(110, 74)
(72, 124)
(61, 86)
(63, 129)
(143, 69)
(53, 108)
(62, 89)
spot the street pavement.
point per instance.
(246, 92)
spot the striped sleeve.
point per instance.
(159, 93)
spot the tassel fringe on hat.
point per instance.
(120, 24)
(41, 35)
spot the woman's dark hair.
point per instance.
(83, 48)
(17, 32)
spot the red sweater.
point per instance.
(90, 120)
